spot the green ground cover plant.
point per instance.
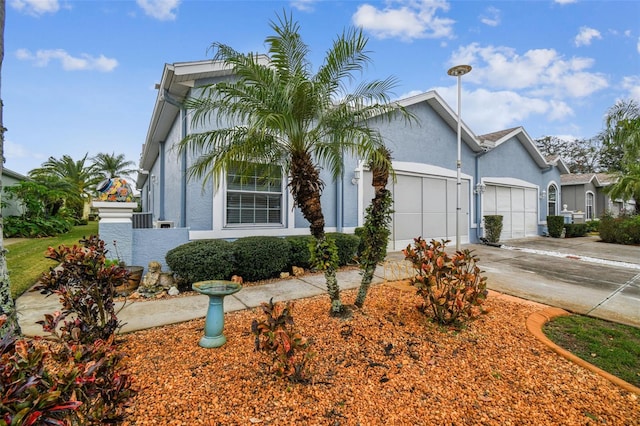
(613, 347)
(26, 259)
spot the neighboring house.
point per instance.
(502, 173)
(11, 207)
(585, 193)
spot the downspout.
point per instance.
(183, 160)
(183, 172)
(161, 178)
(478, 196)
(339, 202)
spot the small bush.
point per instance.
(450, 285)
(620, 230)
(593, 225)
(201, 260)
(555, 224)
(575, 230)
(493, 228)
(299, 254)
(277, 335)
(259, 258)
(347, 245)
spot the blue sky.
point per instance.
(78, 76)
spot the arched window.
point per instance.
(552, 200)
(590, 205)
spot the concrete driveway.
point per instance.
(581, 275)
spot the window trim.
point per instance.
(555, 202)
(589, 195)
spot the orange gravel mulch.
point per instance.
(386, 365)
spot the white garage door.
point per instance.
(425, 206)
(518, 207)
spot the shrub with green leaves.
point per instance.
(620, 230)
(575, 230)
(258, 258)
(201, 260)
(493, 227)
(451, 286)
(555, 224)
(347, 245)
(277, 336)
(299, 254)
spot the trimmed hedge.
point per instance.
(576, 230)
(202, 260)
(347, 246)
(493, 226)
(253, 258)
(259, 257)
(555, 224)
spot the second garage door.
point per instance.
(425, 206)
(518, 207)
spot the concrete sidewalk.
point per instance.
(142, 314)
(605, 283)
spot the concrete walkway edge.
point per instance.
(537, 320)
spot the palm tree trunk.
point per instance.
(376, 226)
(7, 305)
(306, 188)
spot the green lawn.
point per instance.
(26, 261)
(614, 348)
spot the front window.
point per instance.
(254, 195)
(552, 199)
(589, 205)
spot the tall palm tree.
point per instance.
(623, 130)
(112, 165)
(81, 177)
(282, 113)
(7, 305)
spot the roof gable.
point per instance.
(495, 139)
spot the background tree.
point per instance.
(283, 114)
(7, 305)
(81, 177)
(615, 146)
(580, 155)
(112, 165)
(622, 138)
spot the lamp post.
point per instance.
(458, 71)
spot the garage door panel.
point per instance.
(406, 225)
(433, 193)
(434, 225)
(406, 194)
(518, 207)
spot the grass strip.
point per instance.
(612, 347)
(26, 261)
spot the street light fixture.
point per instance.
(458, 71)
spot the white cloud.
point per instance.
(163, 10)
(565, 1)
(489, 111)
(538, 72)
(405, 19)
(585, 36)
(632, 85)
(303, 5)
(491, 17)
(84, 62)
(36, 7)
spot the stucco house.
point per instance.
(585, 193)
(502, 173)
(11, 207)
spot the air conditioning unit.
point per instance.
(161, 224)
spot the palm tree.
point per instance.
(7, 305)
(112, 165)
(623, 130)
(281, 113)
(82, 179)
